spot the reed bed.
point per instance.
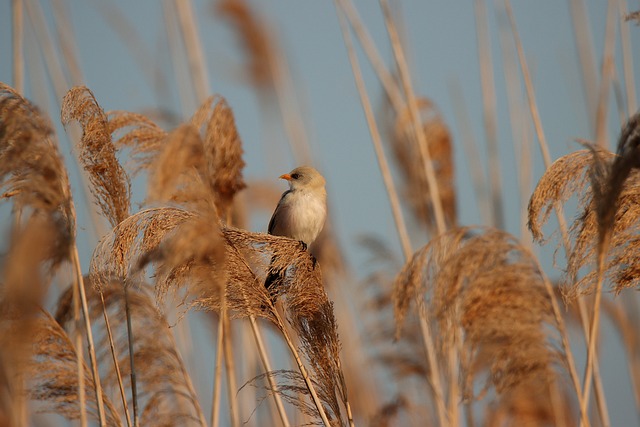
(469, 329)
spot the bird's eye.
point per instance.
(295, 175)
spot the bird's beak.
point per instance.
(286, 176)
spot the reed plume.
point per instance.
(32, 172)
(607, 186)
(486, 296)
(165, 392)
(53, 376)
(110, 184)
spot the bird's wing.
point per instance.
(278, 213)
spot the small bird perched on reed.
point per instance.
(300, 213)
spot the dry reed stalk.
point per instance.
(178, 62)
(191, 41)
(544, 149)
(489, 110)
(388, 81)
(412, 103)
(520, 130)
(470, 147)
(17, 37)
(627, 63)
(586, 54)
(217, 381)
(624, 322)
(66, 41)
(394, 202)
(606, 76)
(267, 367)
(484, 282)
(229, 364)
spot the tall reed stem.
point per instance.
(75, 259)
(405, 78)
(130, 340)
(217, 381)
(116, 365)
(18, 39)
(489, 110)
(267, 367)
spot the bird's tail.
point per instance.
(274, 280)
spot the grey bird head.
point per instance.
(304, 177)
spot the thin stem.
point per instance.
(134, 391)
(627, 61)
(403, 68)
(217, 381)
(606, 72)
(470, 147)
(584, 44)
(267, 367)
(87, 323)
(193, 46)
(434, 377)
(305, 375)
(229, 363)
(388, 82)
(80, 353)
(123, 395)
(489, 110)
(394, 201)
(533, 108)
(18, 39)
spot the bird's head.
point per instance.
(304, 177)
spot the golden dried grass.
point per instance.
(164, 389)
(487, 300)
(53, 374)
(110, 183)
(32, 172)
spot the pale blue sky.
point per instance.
(443, 52)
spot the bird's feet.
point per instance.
(304, 245)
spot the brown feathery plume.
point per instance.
(407, 155)
(110, 183)
(165, 392)
(608, 211)
(143, 137)
(488, 299)
(32, 172)
(116, 255)
(53, 375)
(565, 178)
(253, 36)
(175, 172)
(222, 151)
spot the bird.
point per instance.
(300, 213)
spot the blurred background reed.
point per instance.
(436, 126)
